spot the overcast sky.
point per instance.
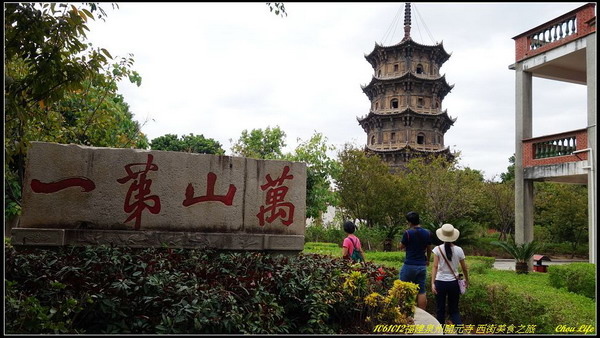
(218, 68)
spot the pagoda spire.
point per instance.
(406, 21)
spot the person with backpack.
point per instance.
(445, 279)
(417, 242)
(351, 248)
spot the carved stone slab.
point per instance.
(149, 238)
(39, 237)
(144, 196)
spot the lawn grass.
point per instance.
(393, 259)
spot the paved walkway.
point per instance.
(423, 317)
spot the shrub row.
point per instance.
(480, 264)
(506, 298)
(370, 238)
(373, 238)
(574, 277)
(103, 290)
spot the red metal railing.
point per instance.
(559, 31)
(555, 149)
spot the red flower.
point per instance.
(381, 275)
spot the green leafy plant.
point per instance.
(579, 278)
(466, 228)
(113, 290)
(505, 297)
(522, 253)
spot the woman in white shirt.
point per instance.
(444, 282)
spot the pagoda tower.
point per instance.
(406, 119)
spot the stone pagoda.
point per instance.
(406, 119)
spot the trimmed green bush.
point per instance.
(392, 256)
(323, 249)
(108, 290)
(391, 259)
(317, 233)
(370, 238)
(480, 264)
(574, 277)
(506, 298)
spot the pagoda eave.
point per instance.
(407, 77)
(438, 49)
(407, 111)
(407, 148)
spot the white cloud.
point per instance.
(219, 68)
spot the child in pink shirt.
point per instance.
(351, 243)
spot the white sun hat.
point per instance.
(447, 233)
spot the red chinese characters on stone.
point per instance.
(141, 188)
(210, 193)
(86, 185)
(275, 201)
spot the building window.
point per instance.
(420, 69)
(421, 138)
(393, 138)
(376, 105)
(379, 73)
(394, 104)
(395, 68)
(373, 139)
(420, 102)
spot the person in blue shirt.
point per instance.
(417, 242)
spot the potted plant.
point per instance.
(522, 253)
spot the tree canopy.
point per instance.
(265, 144)
(58, 88)
(320, 171)
(187, 143)
(368, 191)
(445, 193)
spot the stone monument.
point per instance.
(78, 195)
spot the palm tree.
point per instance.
(466, 228)
(390, 231)
(522, 253)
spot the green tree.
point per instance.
(267, 144)
(58, 88)
(167, 142)
(509, 175)
(444, 192)
(499, 200)
(187, 143)
(562, 208)
(97, 115)
(369, 192)
(321, 169)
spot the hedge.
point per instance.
(111, 290)
(506, 298)
(579, 278)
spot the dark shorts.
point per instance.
(415, 274)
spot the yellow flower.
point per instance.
(373, 299)
(354, 280)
